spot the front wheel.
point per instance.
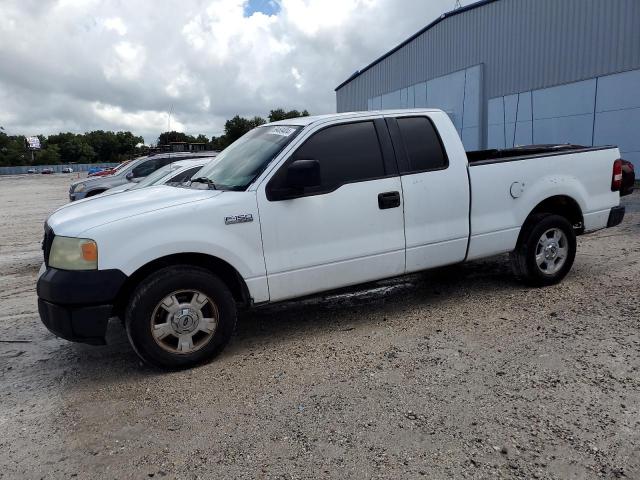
(179, 317)
(546, 250)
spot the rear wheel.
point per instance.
(180, 316)
(546, 250)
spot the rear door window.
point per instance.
(422, 145)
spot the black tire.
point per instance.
(523, 258)
(144, 304)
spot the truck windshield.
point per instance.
(242, 161)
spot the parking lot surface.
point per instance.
(456, 373)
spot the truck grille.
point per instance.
(46, 242)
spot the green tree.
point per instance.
(73, 148)
(166, 138)
(202, 139)
(280, 114)
(218, 143)
(238, 126)
(127, 143)
(48, 156)
(105, 144)
(12, 150)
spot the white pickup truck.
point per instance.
(308, 205)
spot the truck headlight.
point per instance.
(73, 254)
(80, 187)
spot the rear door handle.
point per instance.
(388, 200)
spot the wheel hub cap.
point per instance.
(185, 321)
(552, 251)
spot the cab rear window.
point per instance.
(422, 144)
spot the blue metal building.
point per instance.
(515, 72)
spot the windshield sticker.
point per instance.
(282, 131)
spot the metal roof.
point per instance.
(442, 17)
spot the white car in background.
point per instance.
(175, 173)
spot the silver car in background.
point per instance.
(133, 171)
(175, 173)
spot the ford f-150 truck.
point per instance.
(309, 205)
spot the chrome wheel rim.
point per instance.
(184, 321)
(552, 251)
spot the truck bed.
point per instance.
(484, 157)
(505, 189)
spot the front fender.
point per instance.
(199, 227)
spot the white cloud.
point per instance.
(145, 120)
(85, 64)
(127, 61)
(115, 24)
(313, 16)
(297, 77)
(181, 83)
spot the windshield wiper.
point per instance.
(206, 181)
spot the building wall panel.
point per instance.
(524, 44)
(576, 130)
(610, 90)
(619, 127)
(565, 100)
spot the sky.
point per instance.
(82, 65)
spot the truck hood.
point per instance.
(74, 218)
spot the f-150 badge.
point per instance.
(238, 219)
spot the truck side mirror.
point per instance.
(300, 174)
(303, 174)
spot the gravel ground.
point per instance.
(458, 373)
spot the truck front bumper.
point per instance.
(76, 305)
(76, 324)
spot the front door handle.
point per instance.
(388, 200)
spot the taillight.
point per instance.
(616, 179)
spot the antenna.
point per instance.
(169, 119)
(457, 5)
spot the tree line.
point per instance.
(102, 146)
(91, 147)
(233, 129)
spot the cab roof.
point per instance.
(305, 121)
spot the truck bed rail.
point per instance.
(484, 157)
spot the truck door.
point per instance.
(436, 194)
(349, 229)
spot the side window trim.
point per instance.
(398, 145)
(386, 146)
(390, 167)
(400, 148)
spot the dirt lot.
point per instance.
(453, 374)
